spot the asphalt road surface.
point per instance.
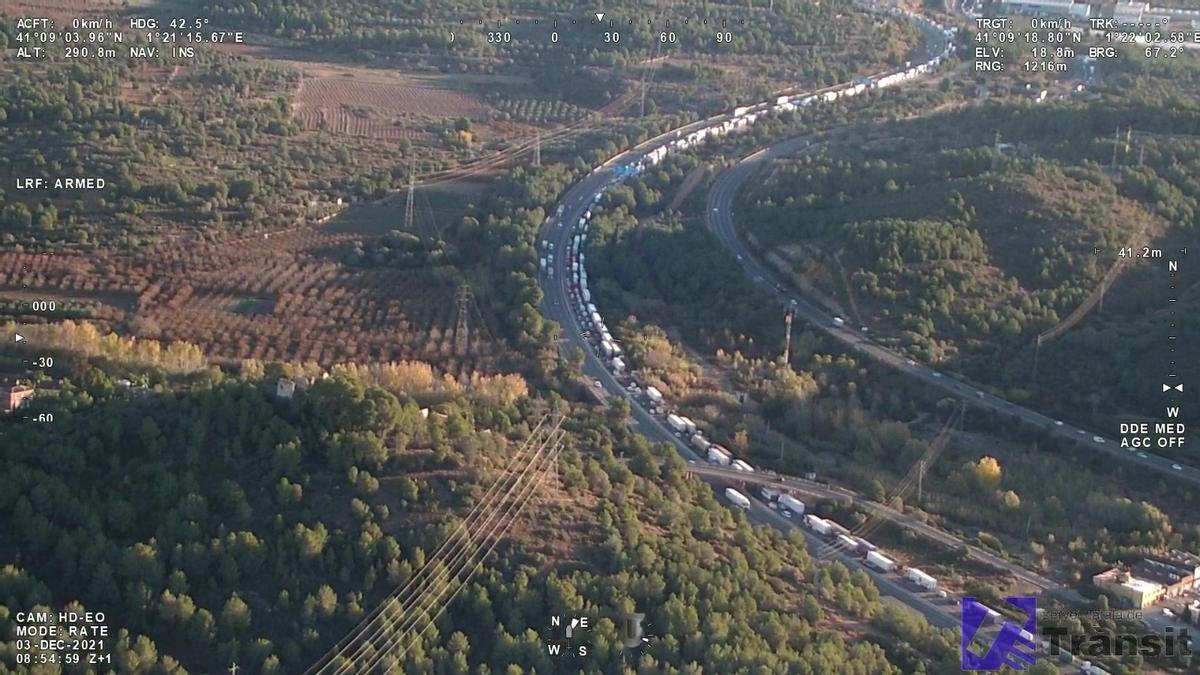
(556, 305)
(719, 214)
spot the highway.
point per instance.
(908, 522)
(720, 218)
(556, 237)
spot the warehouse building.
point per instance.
(1126, 590)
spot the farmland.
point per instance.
(277, 298)
(376, 103)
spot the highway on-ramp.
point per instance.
(720, 218)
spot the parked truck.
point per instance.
(699, 442)
(718, 455)
(792, 504)
(737, 499)
(691, 426)
(767, 493)
(654, 395)
(676, 423)
(880, 562)
(920, 578)
(618, 365)
(741, 465)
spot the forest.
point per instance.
(219, 524)
(657, 273)
(1013, 229)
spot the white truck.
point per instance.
(676, 423)
(691, 426)
(846, 543)
(818, 525)
(767, 493)
(741, 110)
(920, 578)
(718, 455)
(699, 442)
(741, 465)
(839, 321)
(606, 348)
(792, 504)
(880, 561)
(654, 395)
(737, 499)
(618, 365)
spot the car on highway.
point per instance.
(1058, 423)
(936, 374)
(1097, 439)
(1177, 467)
(1142, 455)
(911, 362)
(597, 384)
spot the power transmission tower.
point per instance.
(787, 335)
(462, 301)
(1037, 350)
(1116, 146)
(920, 480)
(537, 149)
(409, 211)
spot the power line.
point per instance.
(465, 524)
(448, 570)
(404, 639)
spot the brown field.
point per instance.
(343, 121)
(375, 103)
(61, 11)
(280, 298)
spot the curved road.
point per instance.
(719, 215)
(556, 305)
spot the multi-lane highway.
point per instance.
(801, 486)
(556, 238)
(720, 217)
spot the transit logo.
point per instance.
(1013, 646)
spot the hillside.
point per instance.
(963, 250)
(222, 524)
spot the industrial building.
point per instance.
(1157, 576)
(14, 396)
(1176, 570)
(1047, 8)
(1126, 590)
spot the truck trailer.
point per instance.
(676, 423)
(880, 562)
(741, 465)
(737, 499)
(719, 456)
(792, 504)
(920, 578)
